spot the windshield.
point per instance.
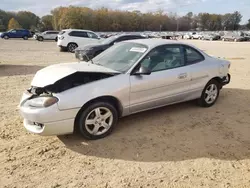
(121, 57)
(109, 40)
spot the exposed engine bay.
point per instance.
(70, 81)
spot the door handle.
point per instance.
(182, 75)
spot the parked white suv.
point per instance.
(70, 39)
(47, 35)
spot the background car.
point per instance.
(16, 33)
(187, 36)
(211, 37)
(233, 37)
(88, 52)
(47, 35)
(196, 36)
(70, 39)
(127, 78)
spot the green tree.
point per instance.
(248, 24)
(13, 24)
(47, 22)
(27, 19)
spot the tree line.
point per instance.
(104, 19)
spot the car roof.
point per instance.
(152, 43)
(77, 30)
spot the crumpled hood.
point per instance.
(53, 73)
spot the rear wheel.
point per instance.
(56, 39)
(210, 94)
(71, 47)
(97, 120)
(25, 38)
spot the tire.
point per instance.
(214, 94)
(71, 47)
(88, 131)
(223, 39)
(56, 39)
(6, 37)
(235, 40)
(40, 38)
(25, 38)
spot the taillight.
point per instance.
(61, 37)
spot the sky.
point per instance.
(181, 7)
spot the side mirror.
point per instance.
(143, 71)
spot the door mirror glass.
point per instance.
(143, 71)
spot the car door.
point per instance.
(46, 35)
(168, 82)
(13, 33)
(198, 69)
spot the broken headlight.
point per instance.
(42, 102)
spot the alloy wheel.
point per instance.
(211, 93)
(99, 121)
(72, 47)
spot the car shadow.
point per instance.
(14, 70)
(178, 132)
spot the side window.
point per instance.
(163, 58)
(78, 34)
(192, 56)
(92, 35)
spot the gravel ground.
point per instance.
(176, 146)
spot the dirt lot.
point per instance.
(177, 146)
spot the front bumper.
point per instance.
(47, 121)
(226, 80)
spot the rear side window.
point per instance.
(192, 55)
(78, 34)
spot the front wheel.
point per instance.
(97, 120)
(6, 37)
(210, 94)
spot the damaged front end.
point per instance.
(68, 82)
